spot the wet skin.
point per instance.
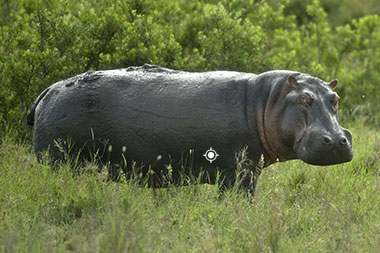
(148, 112)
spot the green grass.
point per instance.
(296, 207)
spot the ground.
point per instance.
(296, 207)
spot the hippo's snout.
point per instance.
(326, 148)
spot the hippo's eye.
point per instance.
(305, 100)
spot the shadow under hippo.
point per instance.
(199, 123)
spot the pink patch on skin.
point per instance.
(300, 135)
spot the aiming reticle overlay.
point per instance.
(210, 155)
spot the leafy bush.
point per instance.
(45, 41)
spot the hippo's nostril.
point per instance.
(343, 141)
(327, 140)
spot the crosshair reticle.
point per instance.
(210, 155)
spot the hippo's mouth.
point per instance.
(332, 158)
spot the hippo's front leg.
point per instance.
(247, 178)
(244, 179)
(245, 174)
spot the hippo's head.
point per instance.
(304, 122)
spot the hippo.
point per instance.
(219, 127)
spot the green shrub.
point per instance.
(43, 42)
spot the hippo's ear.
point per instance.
(292, 81)
(333, 84)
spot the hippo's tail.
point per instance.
(30, 117)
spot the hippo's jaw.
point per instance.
(318, 148)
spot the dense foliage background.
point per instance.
(42, 42)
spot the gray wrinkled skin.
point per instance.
(151, 111)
